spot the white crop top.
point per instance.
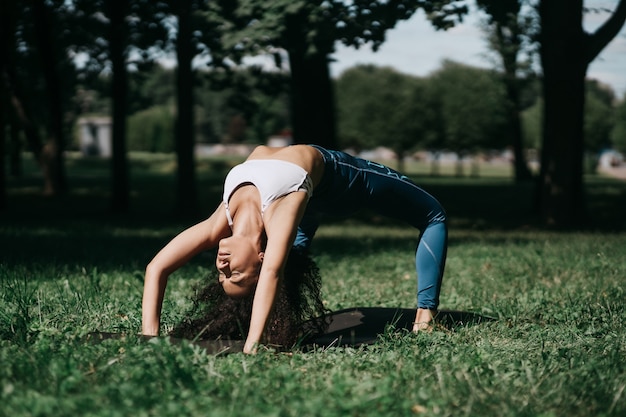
(273, 178)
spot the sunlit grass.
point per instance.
(557, 347)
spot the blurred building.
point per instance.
(94, 136)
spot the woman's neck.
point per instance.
(245, 206)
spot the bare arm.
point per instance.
(281, 224)
(176, 253)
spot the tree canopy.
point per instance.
(56, 53)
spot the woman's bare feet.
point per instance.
(424, 320)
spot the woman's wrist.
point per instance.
(150, 327)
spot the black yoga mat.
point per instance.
(351, 327)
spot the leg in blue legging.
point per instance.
(430, 260)
(394, 195)
(350, 184)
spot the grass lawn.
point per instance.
(557, 348)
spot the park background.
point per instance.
(121, 119)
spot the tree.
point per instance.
(114, 30)
(566, 51)
(380, 106)
(599, 116)
(49, 55)
(368, 100)
(532, 129)
(473, 108)
(600, 119)
(510, 32)
(6, 29)
(31, 47)
(308, 31)
(196, 33)
(151, 130)
(458, 107)
(618, 135)
(117, 37)
(186, 174)
(3, 124)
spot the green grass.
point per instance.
(557, 348)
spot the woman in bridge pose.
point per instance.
(271, 208)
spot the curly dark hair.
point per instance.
(298, 310)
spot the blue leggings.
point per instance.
(350, 184)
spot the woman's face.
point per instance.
(238, 263)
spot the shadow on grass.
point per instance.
(364, 325)
(97, 249)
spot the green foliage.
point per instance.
(602, 119)
(618, 135)
(376, 106)
(24, 53)
(155, 86)
(151, 130)
(145, 31)
(532, 127)
(256, 25)
(458, 107)
(473, 107)
(512, 27)
(259, 98)
(380, 106)
(599, 116)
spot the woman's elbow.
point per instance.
(155, 269)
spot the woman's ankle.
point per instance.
(424, 319)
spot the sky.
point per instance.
(415, 47)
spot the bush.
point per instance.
(151, 130)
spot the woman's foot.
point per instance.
(424, 319)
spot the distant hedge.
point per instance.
(151, 130)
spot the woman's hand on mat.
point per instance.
(250, 348)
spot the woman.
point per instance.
(273, 202)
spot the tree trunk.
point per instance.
(475, 166)
(21, 115)
(30, 130)
(507, 43)
(312, 97)
(9, 88)
(15, 148)
(3, 182)
(561, 196)
(187, 199)
(6, 30)
(566, 51)
(119, 164)
(55, 145)
(520, 165)
(458, 167)
(435, 167)
(400, 165)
